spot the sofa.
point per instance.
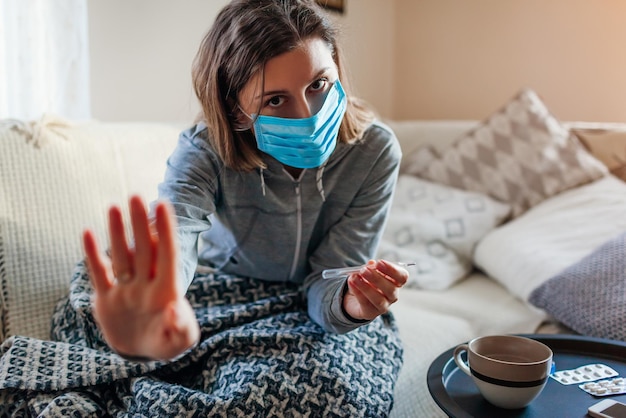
(490, 254)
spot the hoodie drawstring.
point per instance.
(262, 181)
(318, 180)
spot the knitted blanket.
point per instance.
(259, 355)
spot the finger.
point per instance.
(373, 279)
(373, 295)
(367, 310)
(144, 244)
(381, 285)
(98, 272)
(120, 253)
(384, 284)
(155, 239)
(166, 247)
(392, 272)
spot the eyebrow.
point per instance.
(279, 92)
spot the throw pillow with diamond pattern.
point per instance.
(520, 155)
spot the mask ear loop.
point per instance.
(238, 125)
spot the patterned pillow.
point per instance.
(590, 296)
(437, 227)
(520, 155)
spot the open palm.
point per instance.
(138, 304)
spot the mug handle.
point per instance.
(459, 361)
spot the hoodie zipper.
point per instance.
(294, 263)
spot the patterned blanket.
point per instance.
(259, 355)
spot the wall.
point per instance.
(368, 39)
(426, 59)
(141, 54)
(463, 59)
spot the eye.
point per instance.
(275, 101)
(319, 84)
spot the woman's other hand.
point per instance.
(137, 302)
(374, 289)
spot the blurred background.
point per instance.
(410, 59)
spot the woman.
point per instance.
(284, 176)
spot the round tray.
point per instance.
(458, 396)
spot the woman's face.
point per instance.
(296, 82)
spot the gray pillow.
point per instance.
(590, 296)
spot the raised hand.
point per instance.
(138, 304)
(374, 289)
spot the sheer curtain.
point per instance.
(44, 60)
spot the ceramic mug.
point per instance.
(510, 371)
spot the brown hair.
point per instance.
(246, 34)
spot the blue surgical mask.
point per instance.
(303, 143)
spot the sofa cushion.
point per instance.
(437, 227)
(607, 146)
(55, 180)
(555, 234)
(520, 155)
(590, 296)
(438, 134)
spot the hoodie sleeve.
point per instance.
(355, 238)
(190, 186)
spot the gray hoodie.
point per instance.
(267, 225)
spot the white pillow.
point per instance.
(553, 235)
(437, 227)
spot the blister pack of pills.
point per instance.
(582, 374)
(605, 387)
